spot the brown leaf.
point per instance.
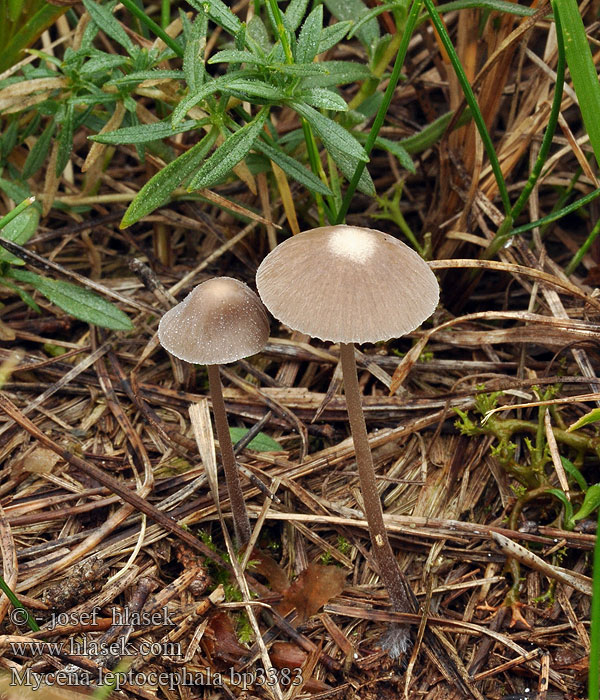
(220, 639)
(315, 586)
(39, 461)
(285, 655)
(270, 569)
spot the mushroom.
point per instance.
(352, 285)
(221, 320)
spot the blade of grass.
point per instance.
(558, 214)
(594, 668)
(582, 68)
(471, 101)
(33, 625)
(576, 259)
(551, 127)
(383, 108)
(151, 24)
(44, 17)
(16, 211)
(505, 232)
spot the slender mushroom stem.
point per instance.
(241, 522)
(389, 570)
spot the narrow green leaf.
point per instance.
(310, 36)
(25, 297)
(158, 189)
(77, 301)
(38, 153)
(255, 88)
(592, 417)
(65, 139)
(495, 5)
(293, 168)
(206, 89)
(193, 56)
(235, 56)
(257, 35)
(37, 22)
(337, 73)
(562, 497)
(17, 192)
(590, 503)
(582, 68)
(347, 165)
(142, 133)
(375, 12)
(102, 64)
(19, 230)
(471, 101)
(260, 443)
(573, 472)
(353, 10)
(219, 13)
(230, 153)
(323, 99)
(294, 13)
(393, 147)
(300, 70)
(16, 603)
(332, 134)
(332, 35)
(141, 75)
(105, 19)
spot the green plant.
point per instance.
(22, 23)
(18, 226)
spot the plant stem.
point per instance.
(389, 570)
(241, 522)
(594, 674)
(383, 108)
(472, 102)
(16, 211)
(153, 27)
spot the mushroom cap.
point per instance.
(347, 284)
(220, 320)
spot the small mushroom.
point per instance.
(221, 320)
(352, 285)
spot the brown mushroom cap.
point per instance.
(220, 320)
(347, 284)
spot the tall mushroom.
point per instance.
(221, 320)
(352, 285)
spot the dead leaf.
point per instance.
(220, 639)
(39, 461)
(267, 566)
(285, 655)
(315, 586)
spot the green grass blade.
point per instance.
(33, 625)
(471, 101)
(557, 214)
(551, 127)
(581, 66)
(28, 34)
(153, 27)
(383, 108)
(576, 259)
(594, 672)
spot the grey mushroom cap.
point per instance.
(347, 284)
(221, 320)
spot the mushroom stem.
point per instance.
(389, 570)
(241, 522)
